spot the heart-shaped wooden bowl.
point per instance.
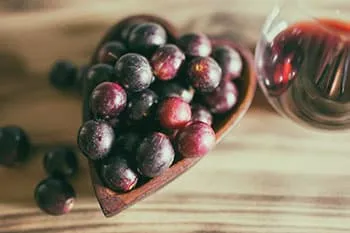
(111, 202)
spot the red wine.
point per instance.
(305, 72)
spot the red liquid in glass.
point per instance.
(305, 71)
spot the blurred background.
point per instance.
(267, 175)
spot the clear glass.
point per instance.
(303, 62)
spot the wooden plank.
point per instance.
(267, 175)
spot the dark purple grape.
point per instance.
(141, 105)
(154, 155)
(111, 52)
(14, 145)
(127, 28)
(97, 74)
(107, 100)
(95, 139)
(166, 61)
(61, 161)
(174, 89)
(223, 98)
(201, 113)
(229, 60)
(195, 140)
(146, 37)
(128, 142)
(134, 72)
(63, 74)
(174, 113)
(54, 196)
(204, 74)
(195, 44)
(117, 174)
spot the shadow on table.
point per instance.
(18, 183)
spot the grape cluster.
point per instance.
(151, 99)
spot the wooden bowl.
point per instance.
(111, 202)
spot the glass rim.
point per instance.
(311, 14)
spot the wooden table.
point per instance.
(267, 176)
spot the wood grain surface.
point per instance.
(267, 176)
